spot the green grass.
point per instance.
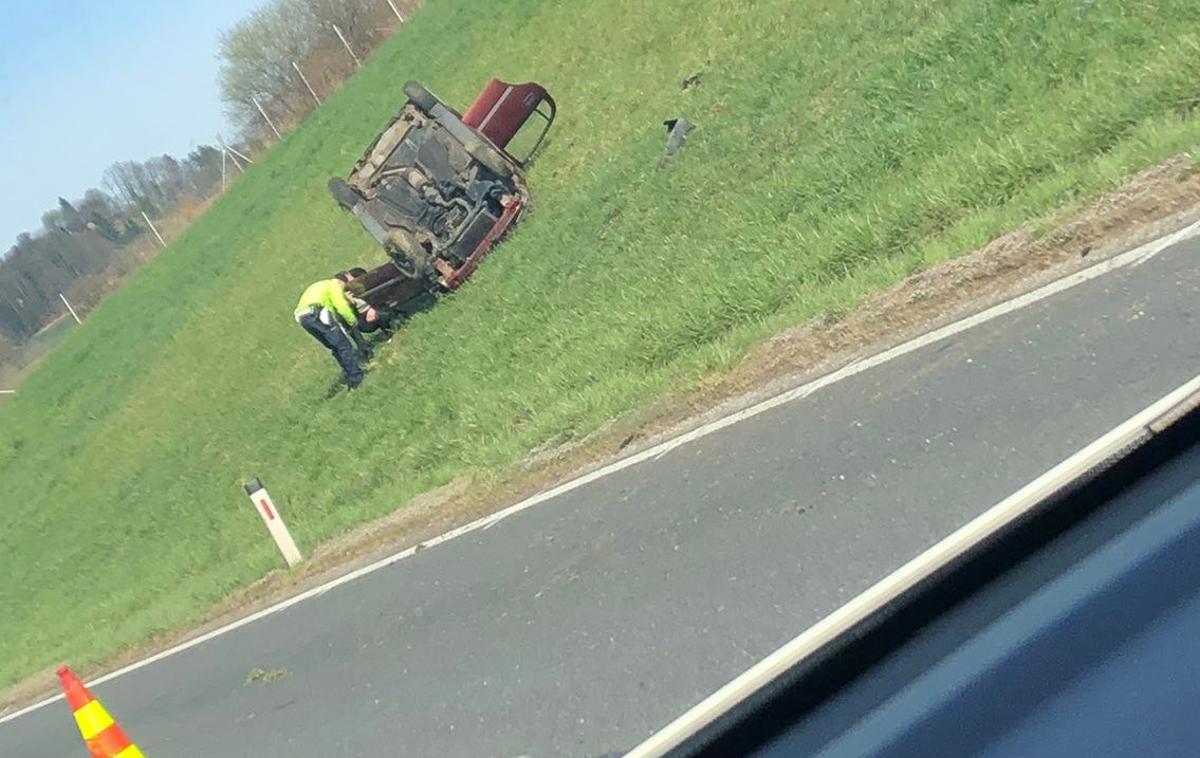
(841, 144)
(32, 351)
(47, 339)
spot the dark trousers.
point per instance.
(338, 343)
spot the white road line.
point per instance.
(1135, 256)
(1133, 431)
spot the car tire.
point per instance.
(346, 196)
(420, 97)
(490, 158)
(409, 257)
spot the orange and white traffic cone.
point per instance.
(101, 734)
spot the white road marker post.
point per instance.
(74, 315)
(395, 10)
(274, 520)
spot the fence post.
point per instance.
(72, 310)
(346, 44)
(394, 10)
(266, 118)
(161, 241)
(304, 79)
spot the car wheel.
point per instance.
(408, 256)
(490, 158)
(420, 97)
(345, 195)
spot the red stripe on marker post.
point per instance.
(274, 520)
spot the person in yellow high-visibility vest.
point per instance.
(326, 312)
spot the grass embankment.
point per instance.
(840, 146)
(31, 352)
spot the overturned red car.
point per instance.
(438, 189)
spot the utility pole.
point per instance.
(227, 152)
(266, 118)
(161, 241)
(393, 7)
(72, 310)
(346, 44)
(304, 79)
(233, 154)
(224, 160)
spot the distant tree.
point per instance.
(257, 54)
(72, 220)
(351, 16)
(256, 63)
(97, 210)
(202, 167)
(78, 249)
(8, 351)
(52, 219)
(121, 183)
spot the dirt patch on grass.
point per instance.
(1154, 203)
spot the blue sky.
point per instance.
(84, 84)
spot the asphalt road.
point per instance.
(581, 625)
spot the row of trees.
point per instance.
(260, 55)
(160, 183)
(82, 245)
(83, 248)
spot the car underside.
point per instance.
(437, 193)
